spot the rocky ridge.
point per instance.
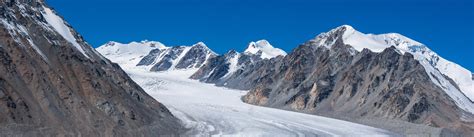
(52, 83)
(356, 76)
(349, 75)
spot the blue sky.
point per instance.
(447, 27)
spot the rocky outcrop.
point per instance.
(221, 69)
(215, 68)
(52, 83)
(197, 55)
(227, 70)
(150, 57)
(167, 60)
(178, 57)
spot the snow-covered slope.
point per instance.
(54, 23)
(215, 111)
(128, 54)
(155, 56)
(60, 26)
(461, 91)
(232, 58)
(261, 49)
(266, 49)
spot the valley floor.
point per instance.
(214, 111)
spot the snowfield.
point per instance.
(60, 26)
(216, 111)
(268, 51)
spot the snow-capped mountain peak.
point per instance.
(266, 49)
(462, 87)
(154, 56)
(200, 44)
(129, 54)
(373, 42)
(346, 27)
(204, 46)
(232, 52)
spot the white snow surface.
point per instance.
(432, 62)
(233, 62)
(128, 54)
(268, 51)
(59, 25)
(216, 111)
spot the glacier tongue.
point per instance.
(461, 91)
(215, 111)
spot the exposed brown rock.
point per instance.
(65, 93)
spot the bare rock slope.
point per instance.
(52, 83)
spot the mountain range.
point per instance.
(342, 73)
(53, 83)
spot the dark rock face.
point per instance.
(167, 61)
(195, 57)
(179, 57)
(150, 58)
(244, 78)
(342, 82)
(49, 88)
(217, 70)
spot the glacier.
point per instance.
(216, 111)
